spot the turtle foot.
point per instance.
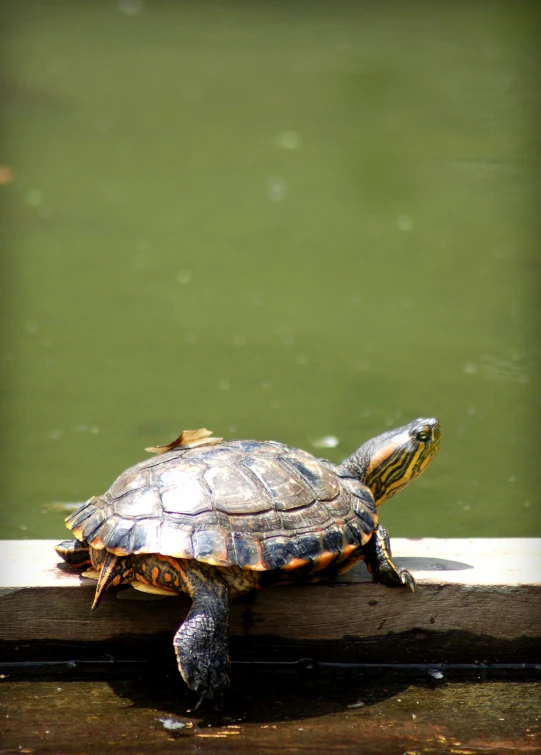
(208, 678)
(203, 661)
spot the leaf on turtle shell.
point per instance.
(187, 439)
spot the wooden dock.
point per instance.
(453, 667)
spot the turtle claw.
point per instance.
(219, 700)
(208, 684)
(198, 704)
(407, 579)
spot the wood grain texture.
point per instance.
(468, 589)
(284, 715)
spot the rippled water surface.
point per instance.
(276, 221)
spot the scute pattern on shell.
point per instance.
(258, 505)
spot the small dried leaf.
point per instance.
(187, 439)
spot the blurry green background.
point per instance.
(277, 220)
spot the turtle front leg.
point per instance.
(377, 555)
(201, 643)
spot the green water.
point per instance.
(276, 220)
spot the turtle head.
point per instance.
(389, 462)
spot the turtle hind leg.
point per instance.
(115, 570)
(75, 553)
(201, 643)
(377, 556)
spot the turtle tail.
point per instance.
(114, 571)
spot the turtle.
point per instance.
(215, 519)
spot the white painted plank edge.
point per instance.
(479, 561)
(475, 561)
(480, 588)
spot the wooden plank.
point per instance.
(388, 715)
(476, 599)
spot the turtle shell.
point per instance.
(257, 505)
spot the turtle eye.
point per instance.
(423, 434)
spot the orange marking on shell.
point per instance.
(169, 560)
(258, 566)
(217, 560)
(115, 551)
(325, 559)
(167, 577)
(184, 554)
(155, 573)
(98, 544)
(296, 563)
(257, 563)
(348, 550)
